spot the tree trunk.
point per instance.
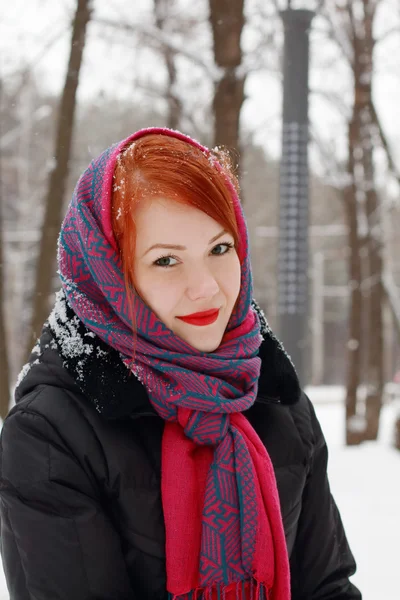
(369, 301)
(352, 210)
(227, 21)
(397, 434)
(58, 177)
(355, 313)
(375, 346)
(4, 363)
(161, 8)
(374, 243)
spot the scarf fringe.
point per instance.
(242, 590)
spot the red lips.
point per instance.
(201, 318)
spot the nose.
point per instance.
(201, 284)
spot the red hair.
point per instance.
(158, 165)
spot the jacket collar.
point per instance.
(98, 371)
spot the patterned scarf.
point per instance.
(224, 532)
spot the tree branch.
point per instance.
(336, 99)
(335, 34)
(25, 71)
(388, 33)
(385, 143)
(164, 40)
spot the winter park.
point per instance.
(200, 300)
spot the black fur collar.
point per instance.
(100, 374)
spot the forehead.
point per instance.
(171, 218)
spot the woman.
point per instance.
(160, 444)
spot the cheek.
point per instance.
(230, 274)
(158, 290)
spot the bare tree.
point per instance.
(355, 276)
(4, 366)
(374, 240)
(390, 290)
(352, 29)
(363, 44)
(161, 10)
(59, 174)
(227, 21)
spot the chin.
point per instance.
(201, 341)
(209, 345)
(208, 348)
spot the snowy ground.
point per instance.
(365, 481)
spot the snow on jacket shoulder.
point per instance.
(81, 513)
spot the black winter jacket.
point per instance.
(81, 514)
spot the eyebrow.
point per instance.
(178, 247)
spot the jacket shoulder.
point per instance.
(45, 433)
(306, 422)
(59, 407)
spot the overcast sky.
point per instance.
(26, 27)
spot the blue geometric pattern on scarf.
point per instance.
(229, 515)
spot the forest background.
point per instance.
(78, 75)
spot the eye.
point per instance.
(165, 261)
(221, 249)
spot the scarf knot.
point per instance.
(204, 428)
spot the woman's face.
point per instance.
(185, 263)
